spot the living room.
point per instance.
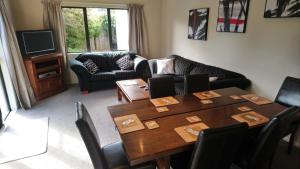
(253, 55)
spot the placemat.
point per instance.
(256, 99)
(207, 95)
(252, 118)
(130, 83)
(164, 101)
(129, 123)
(190, 133)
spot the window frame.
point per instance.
(86, 26)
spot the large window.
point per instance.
(96, 29)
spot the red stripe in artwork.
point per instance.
(232, 21)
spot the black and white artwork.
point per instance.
(282, 8)
(198, 23)
(233, 16)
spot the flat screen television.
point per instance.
(36, 42)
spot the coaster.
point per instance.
(244, 108)
(235, 97)
(256, 99)
(151, 125)
(193, 119)
(206, 101)
(190, 133)
(129, 123)
(252, 118)
(162, 109)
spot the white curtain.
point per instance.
(12, 58)
(53, 19)
(138, 35)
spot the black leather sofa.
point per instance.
(184, 66)
(109, 71)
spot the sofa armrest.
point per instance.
(79, 68)
(81, 72)
(141, 67)
(242, 83)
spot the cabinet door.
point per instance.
(50, 85)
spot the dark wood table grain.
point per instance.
(159, 144)
(145, 110)
(133, 92)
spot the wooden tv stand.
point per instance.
(45, 73)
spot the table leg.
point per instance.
(163, 163)
(119, 94)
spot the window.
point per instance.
(96, 29)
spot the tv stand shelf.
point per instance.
(45, 73)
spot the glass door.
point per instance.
(4, 102)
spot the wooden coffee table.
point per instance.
(132, 90)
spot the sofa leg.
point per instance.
(85, 92)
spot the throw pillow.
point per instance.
(165, 66)
(125, 63)
(212, 79)
(91, 66)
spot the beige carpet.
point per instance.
(23, 138)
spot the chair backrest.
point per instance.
(89, 135)
(161, 87)
(217, 148)
(267, 141)
(289, 93)
(196, 83)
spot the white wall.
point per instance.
(267, 53)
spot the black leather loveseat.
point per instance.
(182, 66)
(109, 71)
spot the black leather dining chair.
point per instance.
(289, 95)
(260, 154)
(196, 83)
(215, 149)
(108, 157)
(161, 87)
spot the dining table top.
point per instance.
(151, 144)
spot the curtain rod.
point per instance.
(93, 4)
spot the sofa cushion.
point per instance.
(91, 66)
(125, 63)
(103, 76)
(106, 61)
(125, 74)
(182, 66)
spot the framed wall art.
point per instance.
(233, 16)
(282, 8)
(198, 24)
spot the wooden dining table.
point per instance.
(159, 144)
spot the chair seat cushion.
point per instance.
(103, 76)
(125, 74)
(116, 158)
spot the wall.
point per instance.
(267, 53)
(28, 14)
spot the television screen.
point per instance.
(36, 42)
